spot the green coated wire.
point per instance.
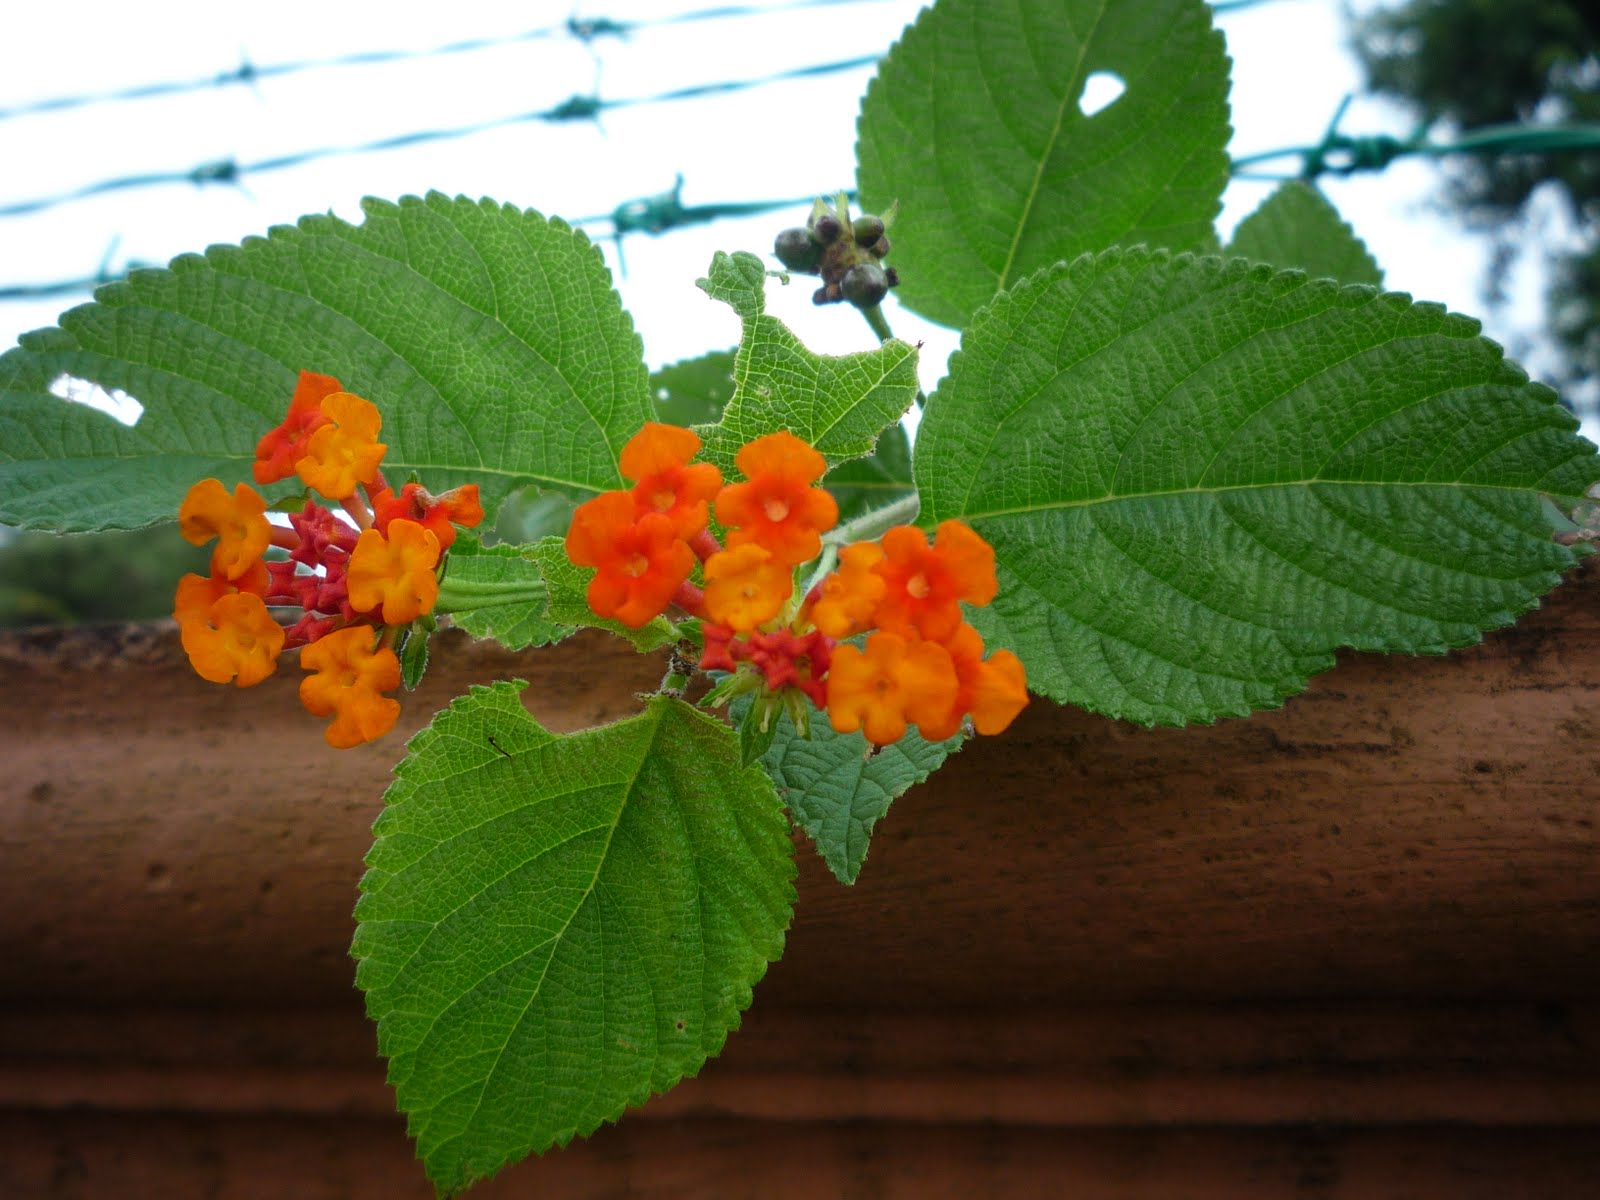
(1344, 154)
(656, 214)
(579, 28)
(230, 172)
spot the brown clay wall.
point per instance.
(1344, 949)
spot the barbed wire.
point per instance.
(230, 171)
(1346, 154)
(655, 214)
(582, 29)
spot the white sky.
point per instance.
(791, 139)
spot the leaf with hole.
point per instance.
(1201, 478)
(976, 125)
(489, 338)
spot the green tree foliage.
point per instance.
(110, 576)
(1472, 63)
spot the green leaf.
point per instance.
(553, 928)
(1297, 227)
(1201, 478)
(490, 339)
(837, 793)
(530, 514)
(758, 728)
(414, 656)
(838, 404)
(568, 586)
(694, 391)
(881, 478)
(498, 592)
(975, 125)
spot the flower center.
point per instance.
(637, 566)
(663, 500)
(776, 508)
(917, 586)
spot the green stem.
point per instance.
(872, 524)
(880, 326)
(456, 595)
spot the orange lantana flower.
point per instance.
(657, 460)
(345, 451)
(280, 449)
(639, 564)
(348, 684)
(228, 635)
(992, 690)
(925, 584)
(895, 680)
(394, 572)
(849, 596)
(441, 513)
(778, 508)
(238, 522)
(746, 587)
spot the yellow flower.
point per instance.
(348, 683)
(395, 572)
(345, 452)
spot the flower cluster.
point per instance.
(921, 663)
(356, 582)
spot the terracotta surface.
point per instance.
(1343, 949)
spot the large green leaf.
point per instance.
(499, 592)
(1297, 227)
(975, 125)
(837, 789)
(553, 928)
(1202, 477)
(838, 404)
(489, 337)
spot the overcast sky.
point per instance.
(781, 140)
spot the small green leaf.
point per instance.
(1297, 227)
(975, 124)
(414, 657)
(757, 729)
(694, 391)
(489, 338)
(1201, 478)
(837, 793)
(498, 592)
(881, 478)
(553, 928)
(568, 587)
(838, 404)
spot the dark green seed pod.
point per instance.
(867, 229)
(827, 229)
(864, 285)
(880, 248)
(795, 250)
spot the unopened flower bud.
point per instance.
(867, 229)
(864, 285)
(795, 250)
(826, 229)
